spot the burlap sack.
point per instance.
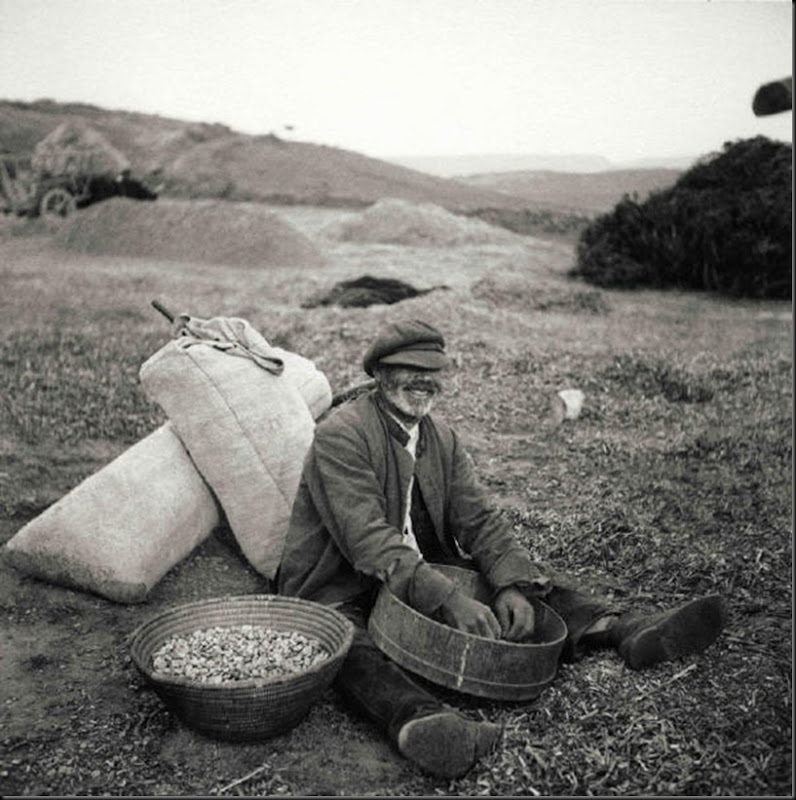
(119, 531)
(311, 383)
(234, 403)
(236, 336)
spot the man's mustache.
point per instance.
(424, 385)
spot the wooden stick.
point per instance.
(671, 680)
(253, 774)
(346, 394)
(163, 310)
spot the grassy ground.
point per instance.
(675, 481)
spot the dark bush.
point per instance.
(724, 226)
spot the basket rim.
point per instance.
(179, 682)
(389, 595)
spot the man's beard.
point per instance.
(402, 395)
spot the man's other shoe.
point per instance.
(447, 744)
(646, 640)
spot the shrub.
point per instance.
(724, 226)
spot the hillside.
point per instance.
(212, 160)
(268, 168)
(591, 193)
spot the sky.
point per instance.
(626, 80)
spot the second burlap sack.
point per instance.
(242, 410)
(121, 529)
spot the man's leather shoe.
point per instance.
(445, 743)
(644, 640)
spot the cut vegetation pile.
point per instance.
(76, 145)
(212, 231)
(367, 291)
(724, 226)
(393, 221)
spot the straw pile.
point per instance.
(75, 146)
(393, 221)
(367, 291)
(211, 231)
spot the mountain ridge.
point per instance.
(466, 165)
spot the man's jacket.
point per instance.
(345, 532)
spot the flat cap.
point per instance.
(411, 343)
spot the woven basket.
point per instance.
(255, 708)
(473, 665)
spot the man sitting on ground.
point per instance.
(386, 492)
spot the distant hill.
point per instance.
(477, 164)
(590, 193)
(671, 162)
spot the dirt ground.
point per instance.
(76, 716)
(67, 676)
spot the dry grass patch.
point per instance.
(676, 480)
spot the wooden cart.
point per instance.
(27, 191)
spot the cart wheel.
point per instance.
(57, 202)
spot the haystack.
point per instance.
(393, 221)
(75, 146)
(209, 231)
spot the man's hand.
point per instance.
(470, 616)
(516, 615)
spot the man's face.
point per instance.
(411, 391)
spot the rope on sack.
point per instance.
(229, 334)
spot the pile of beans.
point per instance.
(227, 654)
